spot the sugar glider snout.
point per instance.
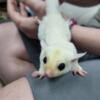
(53, 66)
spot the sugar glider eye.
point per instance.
(45, 60)
(61, 66)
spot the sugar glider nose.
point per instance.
(48, 74)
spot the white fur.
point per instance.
(55, 37)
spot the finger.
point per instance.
(36, 20)
(39, 21)
(12, 5)
(23, 10)
(13, 9)
(39, 7)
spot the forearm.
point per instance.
(87, 39)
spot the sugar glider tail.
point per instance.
(52, 6)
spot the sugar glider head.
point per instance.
(58, 61)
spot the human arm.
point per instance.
(12, 92)
(87, 39)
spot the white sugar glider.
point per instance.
(58, 54)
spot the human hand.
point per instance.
(19, 15)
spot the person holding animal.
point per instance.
(67, 84)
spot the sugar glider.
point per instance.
(58, 54)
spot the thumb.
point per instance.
(36, 20)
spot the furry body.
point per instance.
(58, 54)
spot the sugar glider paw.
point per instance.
(38, 75)
(79, 72)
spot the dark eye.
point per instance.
(45, 60)
(61, 66)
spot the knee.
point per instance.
(9, 72)
(14, 69)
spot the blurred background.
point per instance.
(3, 10)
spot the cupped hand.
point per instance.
(25, 23)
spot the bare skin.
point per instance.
(13, 52)
(87, 39)
(11, 91)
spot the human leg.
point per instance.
(87, 39)
(17, 90)
(14, 59)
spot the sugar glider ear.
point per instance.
(43, 44)
(79, 55)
